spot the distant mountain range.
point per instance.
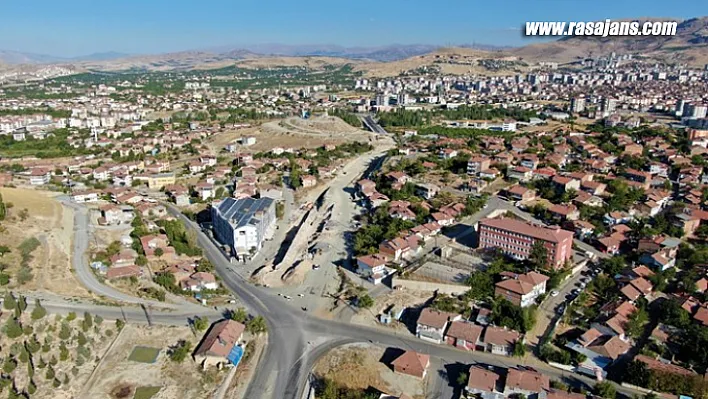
(392, 52)
(689, 45)
(18, 57)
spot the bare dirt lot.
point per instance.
(52, 224)
(117, 374)
(293, 133)
(359, 366)
(397, 300)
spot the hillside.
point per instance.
(689, 45)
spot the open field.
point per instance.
(293, 132)
(52, 225)
(118, 376)
(397, 299)
(359, 366)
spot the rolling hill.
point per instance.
(689, 45)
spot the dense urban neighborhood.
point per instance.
(311, 229)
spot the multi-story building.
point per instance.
(477, 164)
(523, 289)
(243, 224)
(373, 267)
(609, 105)
(577, 104)
(516, 238)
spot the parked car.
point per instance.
(554, 293)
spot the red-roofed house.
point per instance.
(412, 363)
(463, 335)
(218, 342)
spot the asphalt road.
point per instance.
(80, 263)
(296, 339)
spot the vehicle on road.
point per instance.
(287, 297)
(300, 295)
(304, 309)
(315, 267)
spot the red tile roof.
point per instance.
(220, 339)
(482, 379)
(527, 380)
(464, 330)
(435, 318)
(528, 229)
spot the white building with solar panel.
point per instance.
(243, 224)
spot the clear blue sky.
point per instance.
(77, 27)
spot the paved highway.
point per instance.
(372, 125)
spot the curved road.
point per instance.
(88, 278)
(296, 339)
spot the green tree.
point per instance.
(519, 349)
(22, 303)
(87, 322)
(9, 302)
(81, 339)
(9, 366)
(481, 285)
(38, 312)
(71, 316)
(63, 352)
(4, 249)
(119, 324)
(13, 329)
(462, 379)
(256, 325)
(33, 345)
(201, 323)
(539, 255)
(636, 322)
(638, 374)
(180, 351)
(605, 390)
(365, 301)
(65, 331)
(31, 387)
(240, 315)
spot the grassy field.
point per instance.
(146, 392)
(144, 354)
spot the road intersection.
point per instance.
(296, 339)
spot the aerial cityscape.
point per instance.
(449, 217)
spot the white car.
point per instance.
(554, 293)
